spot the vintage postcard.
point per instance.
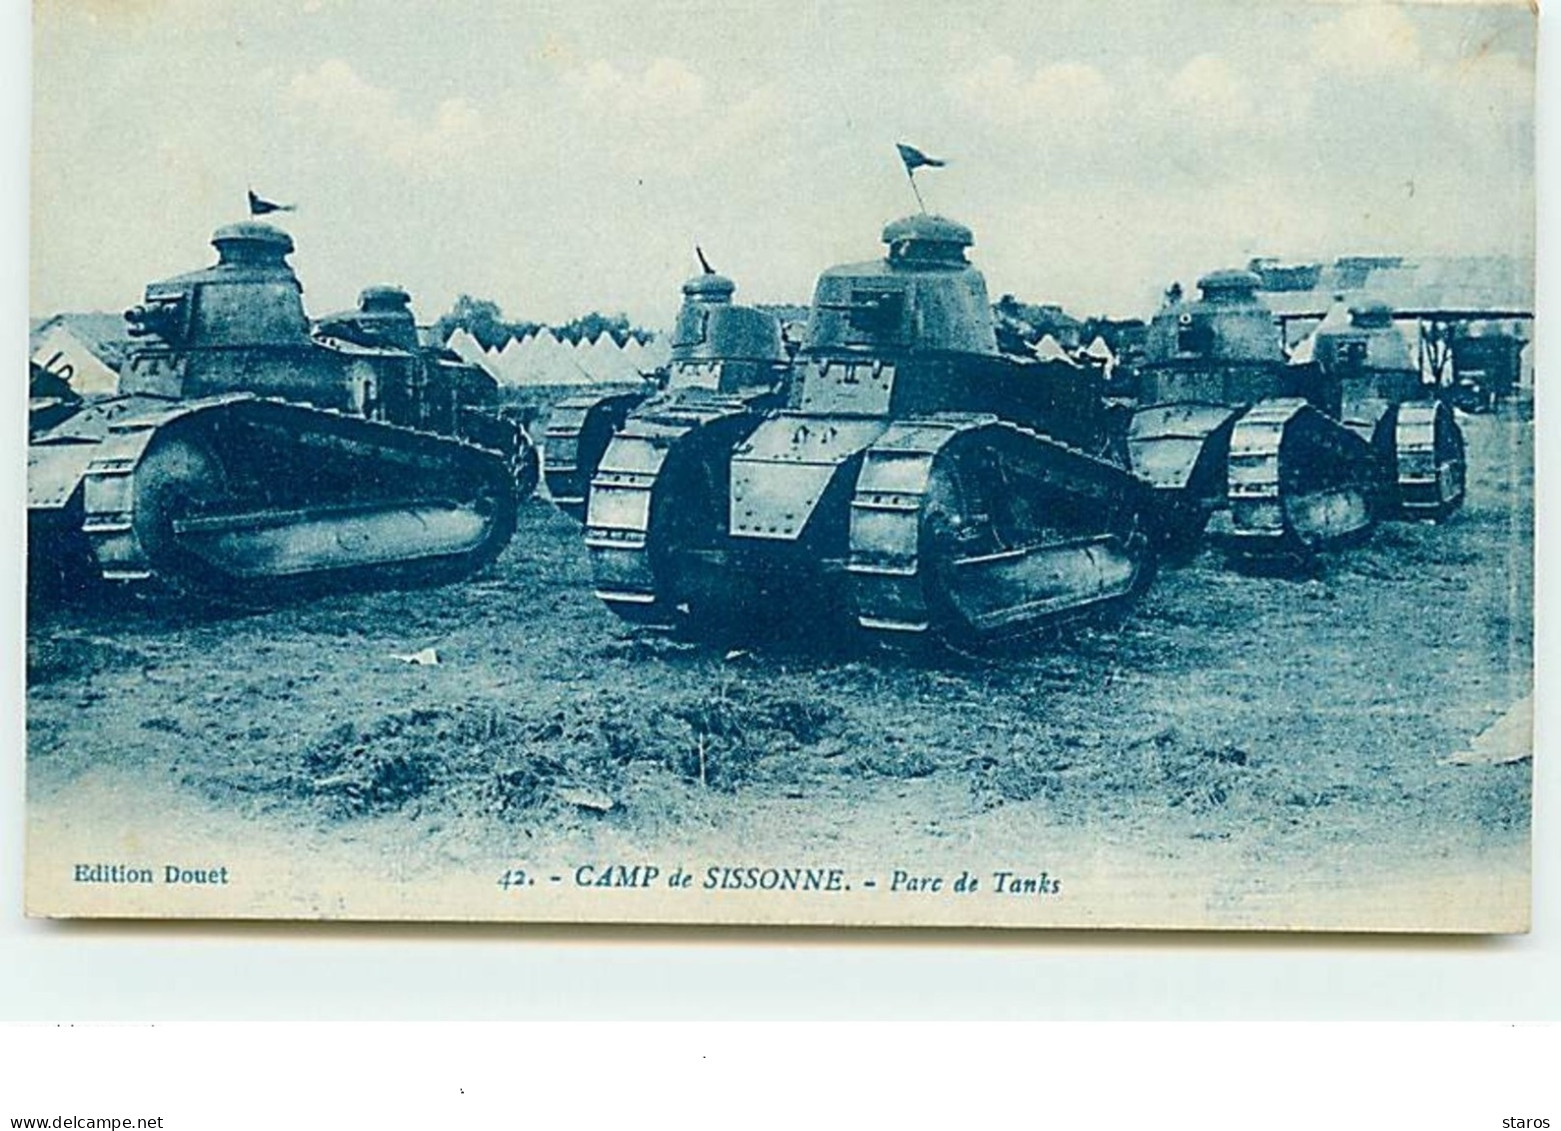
(929, 464)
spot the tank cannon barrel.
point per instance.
(156, 317)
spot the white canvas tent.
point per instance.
(60, 351)
(605, 361)
(509, 364)
(634, 353)
(1047, 349)
(656, 352)
(1099, 350)
(552, 362)
(465, 347)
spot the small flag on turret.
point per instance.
(914, 158)
(259, 206)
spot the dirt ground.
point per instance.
(1255, 729)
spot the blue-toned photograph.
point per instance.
(982, 465)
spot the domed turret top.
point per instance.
(1229, 285)
(250, 242)
(921, 237)
(709, 288)
(1371, 313)
(384, 298)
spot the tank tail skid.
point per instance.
(578, 433)
(243, 500)
(972, 529)
(1299, 481)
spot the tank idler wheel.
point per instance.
(179, 478)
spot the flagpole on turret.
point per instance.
(259, 206)
(913, 159)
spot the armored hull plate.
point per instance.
(1181, 451)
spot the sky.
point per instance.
(566, 157)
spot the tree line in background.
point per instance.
(484, 320)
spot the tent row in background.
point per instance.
(543, 359)
(89, 355)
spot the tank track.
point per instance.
(621, 504)
(576, 429)
(335, 504)
(1181, 451)
(1286, 500)
(1429, 468)
(895, 591)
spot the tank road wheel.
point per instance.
(179, 479)
(1014, 546)
(221, 510)
(960, 525)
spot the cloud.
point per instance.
(747, 119)
(666, 87)
(1067, 92)
(334, 88)
(336, 98)
(1209, 85)
(1208, 93)
(1368, 39)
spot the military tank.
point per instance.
(428, 388)
(725, 357)
(917, 484)
(1414, 437)
(1234, 440)
(238, 462)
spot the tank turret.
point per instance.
(710, 327)
(383, 319)
(923, 296)
(1368, 341)
(249, 297)
(727, 361)
(1228, 323)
